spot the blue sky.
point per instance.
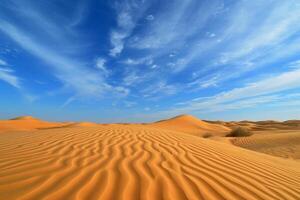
(144, 60)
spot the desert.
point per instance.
(168, 159)
(149, 100)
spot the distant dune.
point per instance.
(191, 125)
(284, 144)
(163, 160)
(27, 123)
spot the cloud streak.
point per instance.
(128, 13)
(7, 75)
(67, 70)
(75, 74)
(249, 95)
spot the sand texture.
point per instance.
(93, 161)
(27, 123)
(191, 125)
(284, 144)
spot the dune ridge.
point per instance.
(27, 123)
(191, 125)
(137, 162)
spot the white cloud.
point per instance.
(171, 55)
(7, 75)
(122, 90)
(294, 64)
(146, 60)
(205, 83)
(116, 39)
(3, 63)
(132, 78)
(284, 81)
(129, 104)
(178, 65)
(170, 29)
(211, 35)
(50, 26)
(246, 39)
(73, 74)
(80, 13)
(68, 101)
(244, 103)
(100, 64)
(252, 92)
(154, 66)
(159, 89)
(238, 36)
(58, 50)
(137, 77)
(150, 17)
(128, 13)
(130, 61)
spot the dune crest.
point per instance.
(191, 125)
(27, 123)
(82, 124)
(25, 118)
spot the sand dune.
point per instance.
(262, 125)
(137, 162)
(191, 125)
(27, 123)
(82, 124)
(281, 139)
(284, 144)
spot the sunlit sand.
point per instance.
(164, 160)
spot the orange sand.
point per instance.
(163, 160)
(191, 125)
(284, 144)
(27, 123)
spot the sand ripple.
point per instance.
(137, 162)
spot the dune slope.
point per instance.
(284, 144)
(27, 123)
(137, 162)
(191, 125)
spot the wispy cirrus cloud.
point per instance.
(267, 90)
(246, 44)
(128, 13)
(67, 70)
(204, 83)
(140, 61)
(2, 62)
(132, 78)
(150, 17)
(274, 32)
(101, 65)
(238, 38)
(170, 24)
(162, 88)
(222, 40)
(7, 75)
(75, 74)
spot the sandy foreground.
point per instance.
(169, 159)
